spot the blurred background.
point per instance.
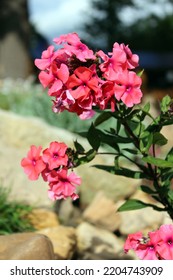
(27, 27)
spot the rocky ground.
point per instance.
(91, 228)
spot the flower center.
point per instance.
(33, 162)
(169, 242)
(151, 247)
(128, 88)
(55, 155)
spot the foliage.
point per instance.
(145, 31)
(104, 22)
(13, 215)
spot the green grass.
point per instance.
(13, 215)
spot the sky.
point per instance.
(55, 17)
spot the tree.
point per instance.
(152, 34)
(144, 32)
(104, 26)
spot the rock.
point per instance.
(26, 246)
(100, 243)
(94, 180)
(63, 240)
(144, 220)
(68, 214)
(43, 218)
(102, 213)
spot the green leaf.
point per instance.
(146, 107)
(108, 138)
(170, 194)
(136, 127)
(118, 126)
(140, 73)
(167, 122)
(169, 156)
(131, 151)
(89, 156)
(93, 137)
(165, 103)
(146, 140)
(135, 204)
(122, 171)
(145, 112)
(159, 139)
(158, 162)
(146, 189)
(133, 113)
(102, 118)
(79, 148)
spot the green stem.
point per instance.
(153, 173)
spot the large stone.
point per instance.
(94, 180)
(102, 212)
(144, 220)
(43, 218)
(63, 240)
(26, 246)
(102, 243)
(68, 214)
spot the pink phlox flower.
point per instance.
(55, 155)
(148, 250)
(82, 82)
(86, 114)
(112, 64)
(64, 102)
(61, 76)
(132, 60)
(85, 89)
(127, 88)
(73, 46)
(63, 185)
(46, 59)
(46, 78)
(108, 97)
(33, 164)
(165, 244)
(132, 241)
(70, 38)
(45, 173)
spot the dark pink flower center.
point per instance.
(55, 155)
(84, 84)
(170, 241)
(128, 88)
(151, 247)
(81, 47)
(33, 162)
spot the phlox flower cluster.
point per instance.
(53, 165)
(80, 80)
(157, 246)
